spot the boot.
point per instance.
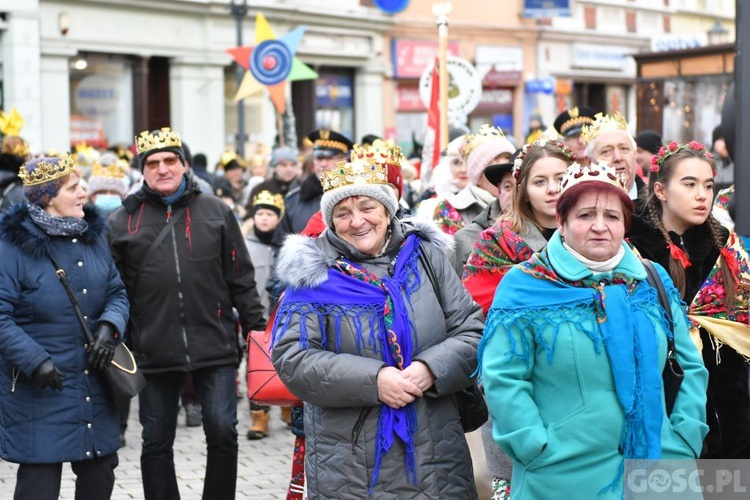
(286, 415)
(259, 429)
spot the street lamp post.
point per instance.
(718, 33)
(239, 10)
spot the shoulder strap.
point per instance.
(655, 281)
(72, 296)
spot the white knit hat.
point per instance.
(358, 178)
(109, 178)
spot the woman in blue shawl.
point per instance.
(573, 353)
(375, 347)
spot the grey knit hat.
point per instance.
(356, 179)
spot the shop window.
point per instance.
(101, 100)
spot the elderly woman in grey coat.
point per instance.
(376, 346)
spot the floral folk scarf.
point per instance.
(56, 226)
(495, 251)
(448, 218)
(384, 304)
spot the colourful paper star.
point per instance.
(270, 63)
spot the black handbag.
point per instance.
(673, 374)
(472, 408)
(125, 380)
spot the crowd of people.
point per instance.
(517, 267)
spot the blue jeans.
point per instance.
(158, 408)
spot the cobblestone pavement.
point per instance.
(263, 468)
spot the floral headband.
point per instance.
(665, 152)
(540, 144)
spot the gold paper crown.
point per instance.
(47, 171)
(266, 198)
(381, 152)
(165, 138)
(228, 156)
(113, 171)
(11, 123)
(357, 172)
(600, 171)
(472, 141)
(603, 123)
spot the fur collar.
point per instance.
(305, 261)
(17, 228)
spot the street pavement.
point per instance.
(263, 467)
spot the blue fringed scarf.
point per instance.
(385, 306)
(621, 317)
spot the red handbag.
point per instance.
(264, 386)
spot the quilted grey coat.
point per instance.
(340, 389)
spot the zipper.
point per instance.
(179, 293)
(14, 373)
(169, 214)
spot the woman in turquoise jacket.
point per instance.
(573, 352)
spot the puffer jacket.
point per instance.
(38, 322)
(182, 296)
(340, 387)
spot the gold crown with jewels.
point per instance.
(356, 172)
(266, 198)
(472, 141)
(113, 171)
(603, 123)
(165, 138)
(381, 152)
(601, 172)
(46, 171)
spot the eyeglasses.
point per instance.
(169, 161)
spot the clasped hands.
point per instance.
(397, 388)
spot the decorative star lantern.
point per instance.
(270, 63)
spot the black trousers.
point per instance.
(95, 479)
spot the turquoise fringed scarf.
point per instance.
(621, 313)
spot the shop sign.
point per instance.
(409, 99)
(546, 8)
(563, 86)
(541, 86)
(464, 86)
(678, 41)
(97, 95)
(494, 78)
(411, 57)
(496, 100)
(599, 56)
(88, 129)
(334, 91)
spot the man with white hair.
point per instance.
(608, 139)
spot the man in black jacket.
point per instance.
(185, 266)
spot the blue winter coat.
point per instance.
(554, 408)
(37, 322)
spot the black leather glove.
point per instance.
(47, 375)
(102, 350)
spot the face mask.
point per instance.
(108, 202)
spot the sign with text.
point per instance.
(585, 55)
(408, 99)
(464, 87)
(411, 57)
(334, 91)
(546, 8)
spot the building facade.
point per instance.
(101, 71)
